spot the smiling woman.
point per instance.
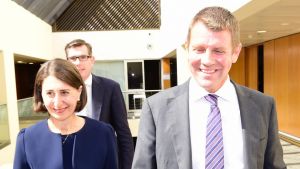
(60, 91)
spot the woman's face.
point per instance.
(60, 99)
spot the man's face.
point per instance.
(84, 66)
(210, 56)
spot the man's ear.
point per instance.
(93, 59)
(186, 46)
(79, 90)
(236, 53)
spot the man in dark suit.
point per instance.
(105, 99)
(176, 126)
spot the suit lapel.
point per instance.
(97, 97)
(180, 129)
(250, 125)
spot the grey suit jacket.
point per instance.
(164, 133)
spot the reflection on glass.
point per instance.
(111, 69)
(4, 130)
(4, 126)
(136, 101)
(27, 116)
(135, 75)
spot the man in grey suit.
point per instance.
(105, 100)
(173, 125)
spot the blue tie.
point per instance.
(214, 155)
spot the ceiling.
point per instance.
(47, 10)
(277, 17)
(95, 15)
(20, 59)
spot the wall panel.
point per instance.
(237, 72)
(269, 68)
(251, 67)
(281, 82)
(294, 85)
(166, 73)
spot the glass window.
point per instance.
(4, 126)
(111, 69)
(135, 75)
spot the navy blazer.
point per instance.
(39, 148)
(109, 106)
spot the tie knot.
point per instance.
(212, 99)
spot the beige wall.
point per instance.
(112, 45)
(21, 33)
(2, 80)
(8, 152)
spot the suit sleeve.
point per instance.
(274, 153)
(120, 124)
(112, 157)
(20, 161)
(144, 156)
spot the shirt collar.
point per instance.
(88, 81)
(195, 91)
(227, 90)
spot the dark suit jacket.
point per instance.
(39, 148)
(164, 133)
(108, 106)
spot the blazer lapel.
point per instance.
(180, 129)
(250, 125)
(97, 95)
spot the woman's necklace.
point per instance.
(67, 136)
(65, 139)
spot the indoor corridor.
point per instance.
(291, 154)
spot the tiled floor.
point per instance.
(291, 155)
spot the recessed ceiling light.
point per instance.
(284, 24)
(31, 63)
(20, 61)
(262, 31)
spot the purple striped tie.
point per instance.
(214, 155)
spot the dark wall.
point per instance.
(173, 71)
(152, 75)
(25, 76)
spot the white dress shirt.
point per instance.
(199, 109)
(87, 110)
